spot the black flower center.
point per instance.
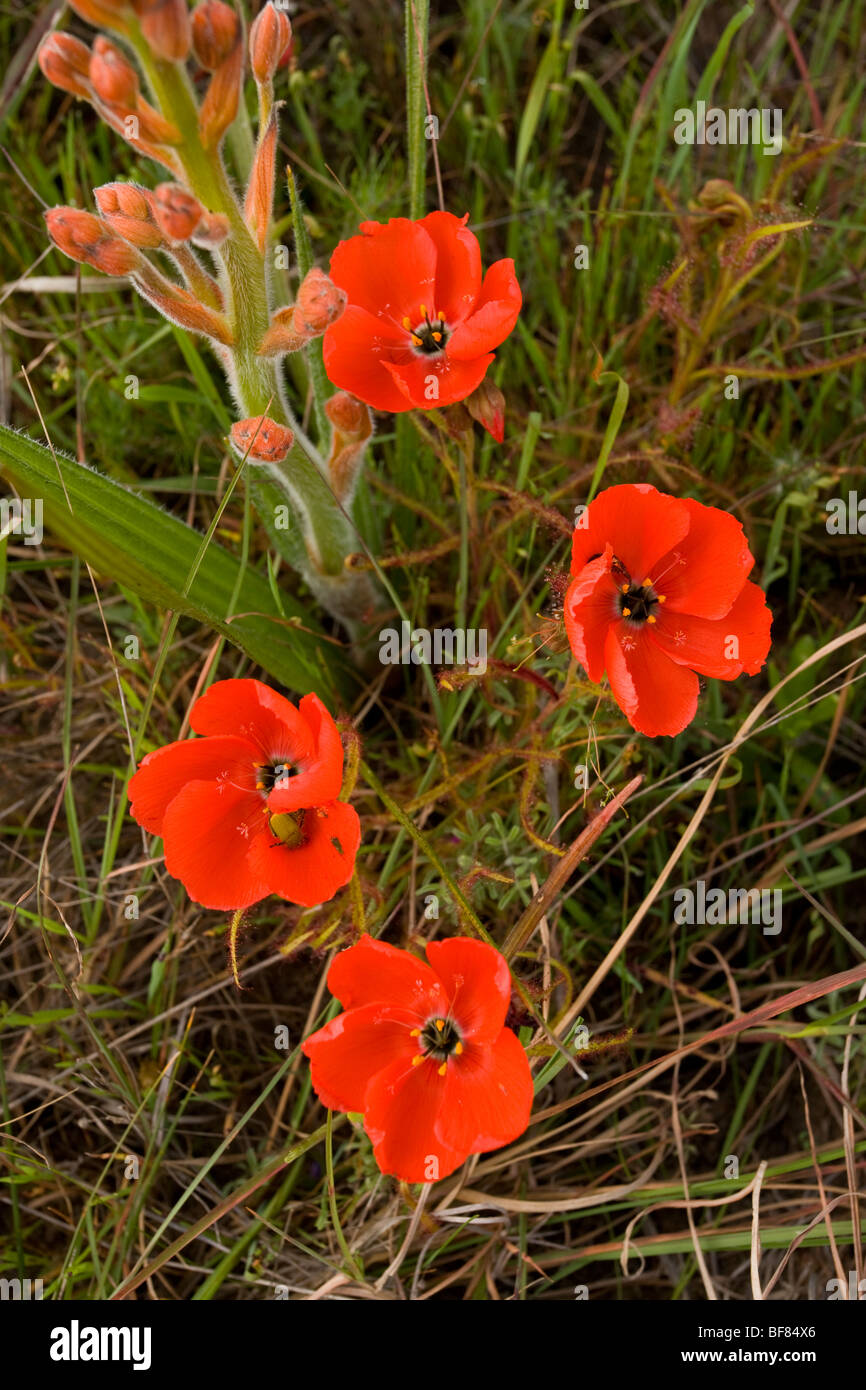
(638, 602)
(430, 334)
(273, 774)
(440, 1038)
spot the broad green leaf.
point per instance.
(125, 537)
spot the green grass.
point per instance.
(125, 1036)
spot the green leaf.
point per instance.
(128, 538)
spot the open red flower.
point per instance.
(659, 592)
(423, 1054)
(421, 325)
(250, 809)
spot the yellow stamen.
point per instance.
(416, 1033)
(440, 1024)
(650, 618)
(416, 340)
(423, 311)
(260, 786)
(626, 612)
(624, 588)
(437, 337)
(662, 598)
(458, 1048)
(407, 322)
(416, 1061)
(443, 1069)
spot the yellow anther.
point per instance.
(407, 322)
(624, 588)
(440, 1024)
(443, 1069)
(416, 1033)
(437, 337)
(650, 618)
(416, 1061)
(458, 1048)
(260, 786)
(416, 340)
(423, 311)
(626, 612)
(662, 598)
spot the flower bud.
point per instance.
(282, 336)
(166, 26)
(262, 438)
(319, 303)
(127, 209)
(114, 80)
(487, 406)
(176, 211)
(270, 36)
(216, 32)
(259, 201)
(212, 230)
(65, 61)
(102, 14)
(86, 238)
(349, 416)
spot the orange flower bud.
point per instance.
(114, 79)
(270, 36)
(102, 14)
(216, 32)
(65, 61)
(282, 335)
(166, 26)
(259, 202)
(220, 105)
(176, 211)
(179, 305)
(127, 209)
(487, 406)
(86, 238)
(319, 303)
(262, 438)
(349, 416)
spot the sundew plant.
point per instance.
(432, 647)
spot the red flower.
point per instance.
(250, 808)
(420, 326)
(423, 1054)
(659, 591)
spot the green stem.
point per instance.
(417, 26)
(257, 382)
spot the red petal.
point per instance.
(705, 644)
(709, 566)
(321, 776)
(454, 380)
(640, 523)
(389, 270)
(655, 694)
(229, 763)
(458, 265)
(208, 843)
(353, 348)
(590, 608)
(488, 1096)
(477, 982)
(493, 317)
(349, 1051)
(312, 873)
(249, 708)
(372, 972)
(402, 1106)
